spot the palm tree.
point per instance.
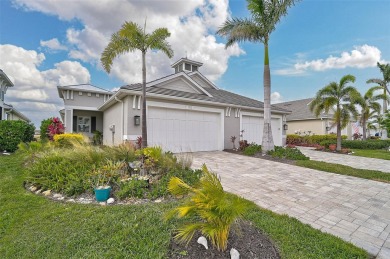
(385, 70)
(370, 107)
(132, 37)
(341, 98)
(265, 15)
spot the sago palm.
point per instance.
(339, 97)
(265, 15)
(369, 107)
(211, 209)
(132, 37)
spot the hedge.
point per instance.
(294, 139)
(68, 139)
(14, 132)
(359, 144)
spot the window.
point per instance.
(83, 124)
(187, 67)
(194, 68)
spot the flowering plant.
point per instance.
(55, 127)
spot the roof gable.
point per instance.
(300, 109)
(202, 80)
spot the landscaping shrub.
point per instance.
(252, 149)
(298, 140)
(134, 187)
(243, 144)
(212, 211)
(45, 129)
(288, 153)
(366, 144)
(14, 132)
(68, 140)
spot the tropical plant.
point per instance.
(369, 107)
(233, 140)
(383, 83)
(132, 37)
(265, 15)
(44, 128)
(339, 97)
(55, 127)
(213, 210)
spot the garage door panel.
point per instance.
(182, 130)
(253, 129)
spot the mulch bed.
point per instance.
(248, 241)
(266, 157)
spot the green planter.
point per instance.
(102, 194)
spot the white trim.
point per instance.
(71, 94)
(80, 93)
(204, 78)
(67, 94)
(97, 95)
(230, 110)
(81, 108)
(193, 108)
(134, 100)
(71, 121)
(139, 102)
(89, 94)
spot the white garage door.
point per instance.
(253, 129)
(183, 131)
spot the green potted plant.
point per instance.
(101, 178)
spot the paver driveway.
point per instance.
(357, 210)
(349, 160)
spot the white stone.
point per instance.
(110, 200)
(102, 203)
(38, 192)
(33, 188)
(234, 254)
(46, 193)
(71, 200)
(61, 198)
(158, 201)
(57, 195)
(203, 241)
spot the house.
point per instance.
(302, 121)
(7, 111)
(185, 112)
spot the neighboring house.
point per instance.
(303, 121)
(185, 112)
(81, 113)
(7, 111)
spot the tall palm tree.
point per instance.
(265, 15)
(370, 106)
(383, 83)
(340, 97)
(132, 37)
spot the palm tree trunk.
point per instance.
(144, 126)
(384, 132)
(338, 147)
(267, 141)
(364, 129)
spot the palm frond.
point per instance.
(157, 41)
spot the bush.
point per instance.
(55, 127)
(288, 153)
(68, 140)
(366, 144)
(294, 139)
(243, 144)
(252, 149)
(135, 188)
(14, 132)
(45, 129)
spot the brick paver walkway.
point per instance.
(349, 160)
(356, 210)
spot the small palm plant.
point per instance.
(211, 209)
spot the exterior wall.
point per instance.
(95, 100)
(231, 128)
(14, 117)
(113, 116)
(133, 109)
(317, 127)
(179, 85)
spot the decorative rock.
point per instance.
(57, 195)
(47, 193)
(158, 201)
(38, 192)
(102, 203)
(110, 201)
(234, 254)
(203, 241)
(61, 198)
(71, 200)
(33, 188)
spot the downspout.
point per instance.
(122, 120)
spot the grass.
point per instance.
(345, 170)
(379, 153)
(32, 226)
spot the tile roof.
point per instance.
(299, 109)
(218, 96)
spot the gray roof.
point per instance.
(85, 87)
(299, 109)
(218, 96)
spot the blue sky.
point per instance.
(45, 44)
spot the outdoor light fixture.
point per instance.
(285, 127)
(327, 128)
(137, 120)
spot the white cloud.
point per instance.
(190, 24)
(360, 57)
(53, 44)
(276, 97)
(35, 92)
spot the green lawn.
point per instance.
(345, 170)
(34, 227)
(381, 153)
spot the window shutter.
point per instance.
(74, 124)
(93, 124)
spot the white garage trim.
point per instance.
(219, 112)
